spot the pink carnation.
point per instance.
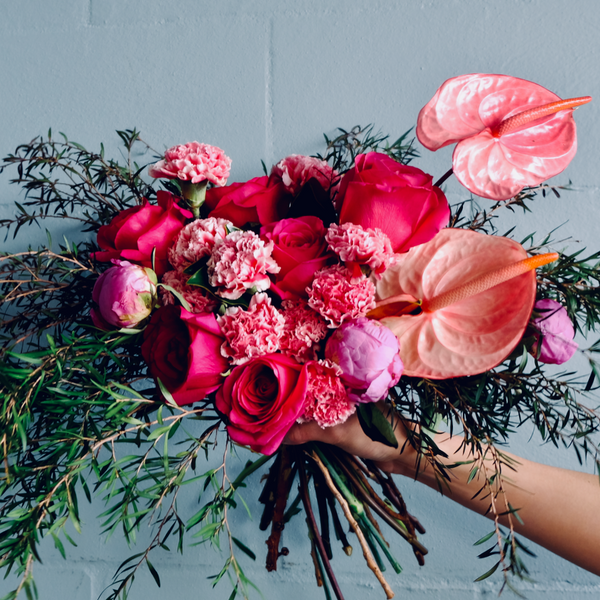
(303, 329)
(241, 262)
(339, 296)
(357, 246)
(193, 162)
(195, 296)
(253, 332)
(196, 240)
(295, 170)
(327, 401)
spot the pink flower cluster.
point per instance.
(339, 296)
(261, 291)
(253, 332)
(198, 299)
(241, 262)
(195, 163)
(327, 400)
(359, 247)
(197, 240)
(296, 170)
(303, 330)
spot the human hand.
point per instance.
(350, 437)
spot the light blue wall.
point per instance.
(262, 79)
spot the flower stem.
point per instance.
(195, 194)
(355, 527)
(443, 178)
(310, 517)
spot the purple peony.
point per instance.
(125, 295)
(554, 333)
(367, 353)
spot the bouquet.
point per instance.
(319, 290)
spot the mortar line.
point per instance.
(269, 94)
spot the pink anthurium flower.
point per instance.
(458, 304)
(511, 133)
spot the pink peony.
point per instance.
(358, 247)
(241, 262)
(554, 333)
(193, 162)
(196, 240)
(295, 170)
(125, 295)
(327, 400)
(252, 332)
(338, 296)
(194, 295)
(367, 353)
(303, 330)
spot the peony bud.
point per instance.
(125, 295)
(554, 333)
(367, 353)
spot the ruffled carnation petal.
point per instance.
(241, 262)
(195, 163)
(253, 332)
(339, 296)
(327, 400)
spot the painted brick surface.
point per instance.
(263, 79)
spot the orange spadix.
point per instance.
(527, 116)
(487, 281)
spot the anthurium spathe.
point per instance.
(511, 133)
(473, 293)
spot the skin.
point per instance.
(560, 509)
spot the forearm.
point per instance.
(560, 509)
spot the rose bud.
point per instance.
(554, 333)
(125, 295)
(367, 353)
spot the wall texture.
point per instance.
(263, 79)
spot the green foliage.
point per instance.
(79, 417)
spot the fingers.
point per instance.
(350, 437)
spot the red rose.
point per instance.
(259, 200)
(135, 232)
(300, 250)
(263, 398)
(400, 200)
(183, 350)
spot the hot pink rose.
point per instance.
(183, 350)
(262, 400)
(398, 199)
(193, 162)
(300, 249)
(258, 200)
(136, 232)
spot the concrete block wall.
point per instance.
(263, 79)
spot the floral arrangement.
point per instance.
(327, 285)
